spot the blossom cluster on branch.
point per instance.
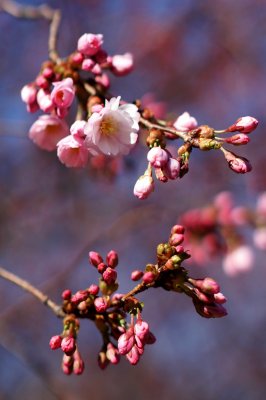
(223, 228)
(109, 310)
(107, 126)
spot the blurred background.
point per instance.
(205, 57)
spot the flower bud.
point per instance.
(185, 122)
(100, 304)
(112, 259)
(136, 275)
(66, 295)
(144, 187)
(93, 289)
(158, 157)
(244, 125)
(133, 356)
(112, 354)
(89, 43)
(122, 64)
(126, 341)
(141, 329)
(237, 164)
(55, 342)
(172, 168)
(238, 139)
(68, 345)
(95, 258)
(176, 239)
(109, 276)
(148, 277)
(219, 298)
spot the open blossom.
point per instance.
(185, 122)
(122, 64)
(239, 260)
(72, 152)
(47, 131)
(63, 93)
(89, 43)
(114, 129)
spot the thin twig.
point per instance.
(43, 11)
(57, 309)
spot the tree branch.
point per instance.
(57, 309)
(43, 11)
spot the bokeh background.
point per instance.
(205, 57)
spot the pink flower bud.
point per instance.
(112, 259)
(77, 58)
(148, 277)
(48, 72)
(81, 295)
(172, 168)
(219, 298)
(78, 365)
(122, 64)
(185, 122)
(66, 295)
(87, 64)
(96, 69)
(238, 164)
(136, 275)
(133, 356)
(95, 258)
(238, 139)
(176, 239)
(109, 276)
(72, 152)
(126, 341)
(214, 311)
(47, 131)
(158, 157)
(144, 187)
(206, 285)
(203, 297)
(68, 345)
(42, 82)
(55, 342)
(100, 304)
(141, 329)
(67, 364)
(101, 268)
(29, 94)
(89, 43)
(93, 290)
(44, 101)
(112, 354)
(63, 93)
(177, 229)
(245, 124)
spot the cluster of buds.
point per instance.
(203, 137)
(72, 361)
(216, 230)
(118, 317)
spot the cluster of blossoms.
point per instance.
(167, 167)
(106, 126)
(109, 310)
(217, 229)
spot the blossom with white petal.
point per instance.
(114, 129)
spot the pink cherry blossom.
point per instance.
(47, 131)
(185, 122)
(63, 93)
(89, 43)
(239, 260)
(28, 94)
(114, 129)
(122, 64)
(259, 238)
(44, 101)
(72, 152)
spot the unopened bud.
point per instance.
(55, 342)
(95, 258)
(136, 275)
(112, 259)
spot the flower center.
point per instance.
(108, 126)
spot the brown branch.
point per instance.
(57, 309)
(43, 11)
